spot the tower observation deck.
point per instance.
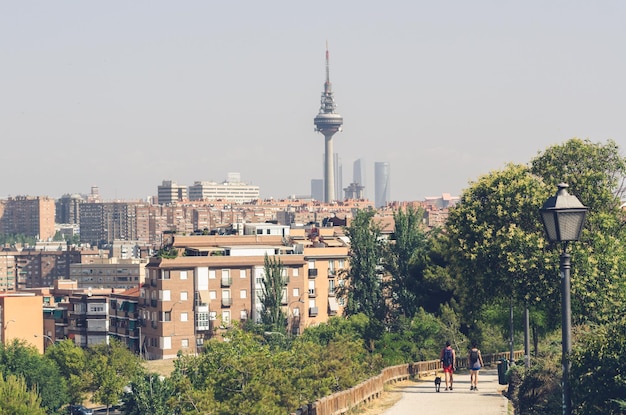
(328, 122)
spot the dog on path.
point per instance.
(437, 383)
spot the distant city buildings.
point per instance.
(28, 216)
(381, 183)
(359, 176)
(317, 189)
(170, 192)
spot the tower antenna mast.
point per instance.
(328, 122)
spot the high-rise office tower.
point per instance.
(169, 192)
(359, 176)
(382, 182)
(328, 122)
(317, 189)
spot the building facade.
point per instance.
(170, 192)
(382, 182)
(29, 216)
(232, 189)
(219, 281)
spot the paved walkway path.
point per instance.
(420, 397)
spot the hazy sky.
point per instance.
(126, 94)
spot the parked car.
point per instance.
(80, 410)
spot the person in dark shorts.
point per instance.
(448, 359)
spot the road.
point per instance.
(488, 400)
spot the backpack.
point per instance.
(447, 357)
(473, 356)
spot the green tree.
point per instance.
(112, 366)
(363, 291)
(17, 399)
(18, 358)
(149, 394)
(595, 173)
(405, 259)
(72, 363)
(272, 314)
(495, 242)
(598, 368)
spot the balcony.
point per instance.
(227, 281)
(153, 303)
(332, 273)
(312, 293)
(227, 302)
(313, 273)
(313, 311)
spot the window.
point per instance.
(242, 273)
(165, 295)
(211, 274)
(183, 296)
(183, 275)
(167, 316)
(243, 294)
(165, 275)
(212, 315)
(243, 315)
(226, 318)
(311, 264)
(184, 343)
(213, 295)
(331, 286)
(184, 316)
(341, 263)
(295, 272)
(167, 343)
(226, 273)
(296, 292)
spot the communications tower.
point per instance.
(328, 122)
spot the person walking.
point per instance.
(475, 360)
(448, 359)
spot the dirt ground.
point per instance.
(388, 398)
(162, 367)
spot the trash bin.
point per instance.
(503, 366)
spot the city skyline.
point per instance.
(124, 97)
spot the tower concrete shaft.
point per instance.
(328, 122)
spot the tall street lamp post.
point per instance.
(563, 217)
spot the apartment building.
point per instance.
(109, 273)
(88, 319)
(232, 189)
(218, 281)
(21, 318)
(40, 267)
(170, 192)
(102, 223)
(8, 271)
(124, 322)
(28, 215)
